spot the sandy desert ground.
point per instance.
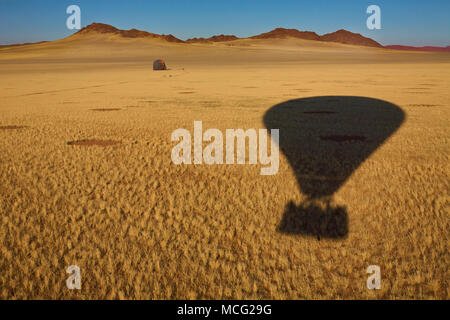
(141, 227)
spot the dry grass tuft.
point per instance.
(106, 109)
(423, 105)
(11, 127)
(93, 142)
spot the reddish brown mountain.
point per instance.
(347, 37)
(133, 33)
(341, 36)
(428, 48)
(280, 33)
(223, 37)
(219, 38)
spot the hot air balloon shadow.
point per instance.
(325, 139)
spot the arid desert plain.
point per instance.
(141, 227)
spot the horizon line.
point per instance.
(222, 34)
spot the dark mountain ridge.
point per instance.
(340, 36)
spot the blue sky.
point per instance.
(410, 22)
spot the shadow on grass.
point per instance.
(325, 140)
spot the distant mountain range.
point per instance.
(284, 33)
(340, 36)
(219, 38)
(428, 48)
(133, 33)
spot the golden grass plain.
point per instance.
(140, 227)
